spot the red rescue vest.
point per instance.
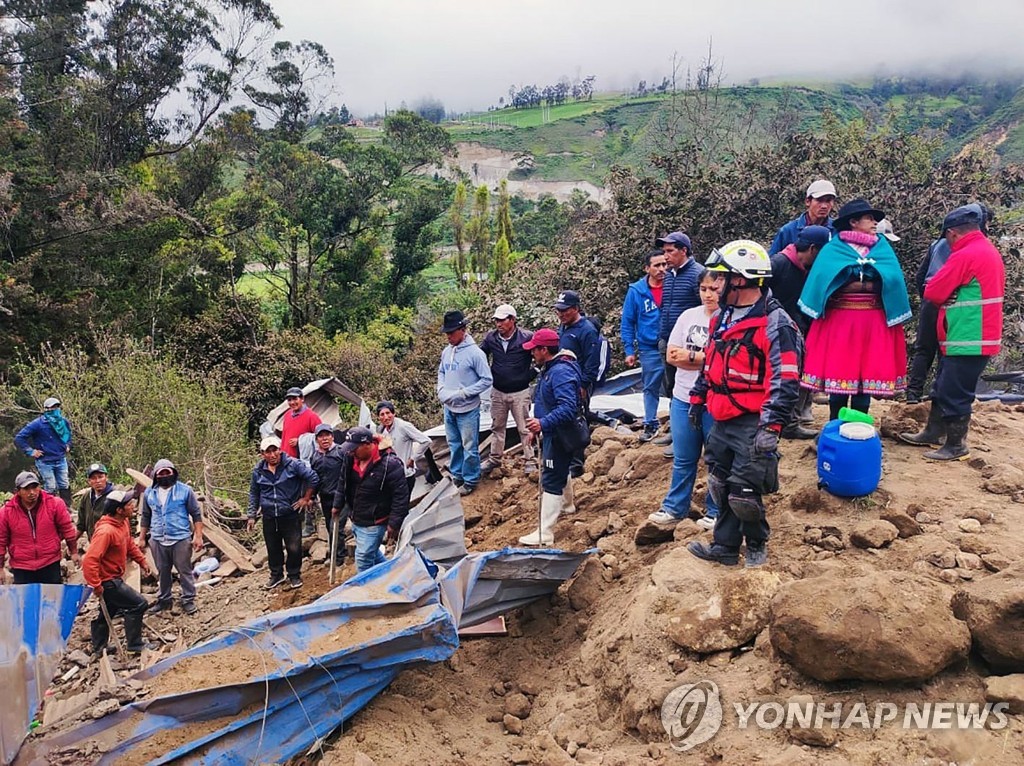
(737, 368)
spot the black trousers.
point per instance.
(668, 382)
(955, 384)
(925, 348)
(576, 465)
(746, 476)
(121, 599)
(283, 536)
(48, 575)
(326, 503)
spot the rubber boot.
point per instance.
(955, 447)
(65, 495)
(568, 498)
(99, 634)
(133, 633)
(933, 432)
(550, 510)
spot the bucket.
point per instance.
(849, 467)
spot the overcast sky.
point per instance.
(468, 52)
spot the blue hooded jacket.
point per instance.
(583, 339)
(641, 318)
(557, 398)
(40, 435)
(273, 493)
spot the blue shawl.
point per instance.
(838, 263)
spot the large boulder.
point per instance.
(882, 626)
(713, 609)
(994, 610)
(602, 460)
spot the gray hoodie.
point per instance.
(462, 376)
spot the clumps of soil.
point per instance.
(233, 665)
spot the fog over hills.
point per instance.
(467, 55)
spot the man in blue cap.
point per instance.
(680, 291)
(789, 273)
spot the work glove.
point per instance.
(766, 441)
(697, 416)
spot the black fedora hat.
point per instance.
(856, 208)
(453, 320)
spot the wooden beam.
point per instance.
(228, 545)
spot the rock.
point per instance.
(1005, 480)
(713, 611)
(621, 466)
(907, 526)
(951, 576)
(926, 518)
(812, 536)
(259, 556)
(601, 461)
(876, 533)
(1008, 689)
(517, 704)
(319, 551)
(980, 514)
(79, 657)
(969, 561)
(603, 434)
(995, 562)
(940, 553)
(103, 708)
(546, 752)
(597, 528)
(588, 477)
(646, 463)
(362, 759)
(994, 610)
(512, 724)
(612, 562)
(882, 626)
(975, 544)
(650, 533)
(494, 716)
(473, 518)
(685, 530)
(973, 526)
(832, 543)
(586, 587)
(822, 736)
(583, 755)
(615, 522)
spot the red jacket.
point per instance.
(294, 426)
(751, 366)
(969, 291)
(33, 539)
(108, 552)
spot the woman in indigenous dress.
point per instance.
(857, 297)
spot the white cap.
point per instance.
(268, 442)
(504, 311)
(821, 188)
(884, 229)
(53, 401)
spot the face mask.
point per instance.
(164, 481)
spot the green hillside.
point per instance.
(581, 140)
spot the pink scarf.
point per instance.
(860, 241)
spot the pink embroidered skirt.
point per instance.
(851, 350)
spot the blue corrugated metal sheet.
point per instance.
(35, 622)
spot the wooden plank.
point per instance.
(226, 569)
(107, 675)
(133, 576)
(493, 627)
(57, 710)
(227, 545)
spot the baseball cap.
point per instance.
(961, 216)
(294, 391)
(268, 442)
(96, 468)
(53, 401)
(504, 311)
(884, 229)
(567, 299)
(813, 235)
(821, 188)
(676, 238)
(360, 435)
(25, 479)
(543, 337)
(118, 498)
(323, 428)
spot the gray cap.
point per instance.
(25, 479)
(323, 428)
(268, 442)
(53, 401)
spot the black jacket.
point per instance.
(787, 283)
(328, 467)
(380, 496)
(512, 370)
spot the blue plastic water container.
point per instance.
(848, 467)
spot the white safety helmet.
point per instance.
(743, 257)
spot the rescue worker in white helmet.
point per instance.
(749, 385)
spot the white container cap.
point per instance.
(857, 431)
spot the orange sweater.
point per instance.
(109, 550)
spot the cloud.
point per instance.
(468, 53)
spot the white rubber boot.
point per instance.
(568, 498)
(550, 510)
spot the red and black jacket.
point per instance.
(751, 365)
